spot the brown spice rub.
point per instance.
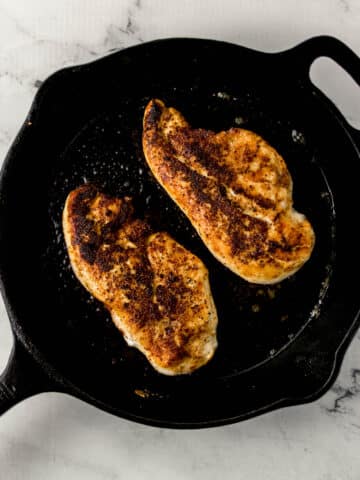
(235, 189)
(156, 291)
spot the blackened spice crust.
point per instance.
(111, 248)
(236, 191)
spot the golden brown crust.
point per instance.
(235, 189)
(156, 291)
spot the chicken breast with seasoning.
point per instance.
(235, 189)
(156, 291)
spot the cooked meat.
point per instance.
(157, 292)
(236, 191)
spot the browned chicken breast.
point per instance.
(157, 292)
(236, 191)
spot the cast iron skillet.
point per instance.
(279, 345)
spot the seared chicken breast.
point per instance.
(235, 189)
(156, 291)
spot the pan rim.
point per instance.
(36, 353)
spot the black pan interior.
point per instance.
(255, 322)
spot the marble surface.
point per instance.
(53, 436)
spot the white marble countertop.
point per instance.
(53, 436)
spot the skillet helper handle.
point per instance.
(22, 378)
(326, 46)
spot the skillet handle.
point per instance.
(326, 46)
(22, 378)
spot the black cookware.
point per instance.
(278, 345)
